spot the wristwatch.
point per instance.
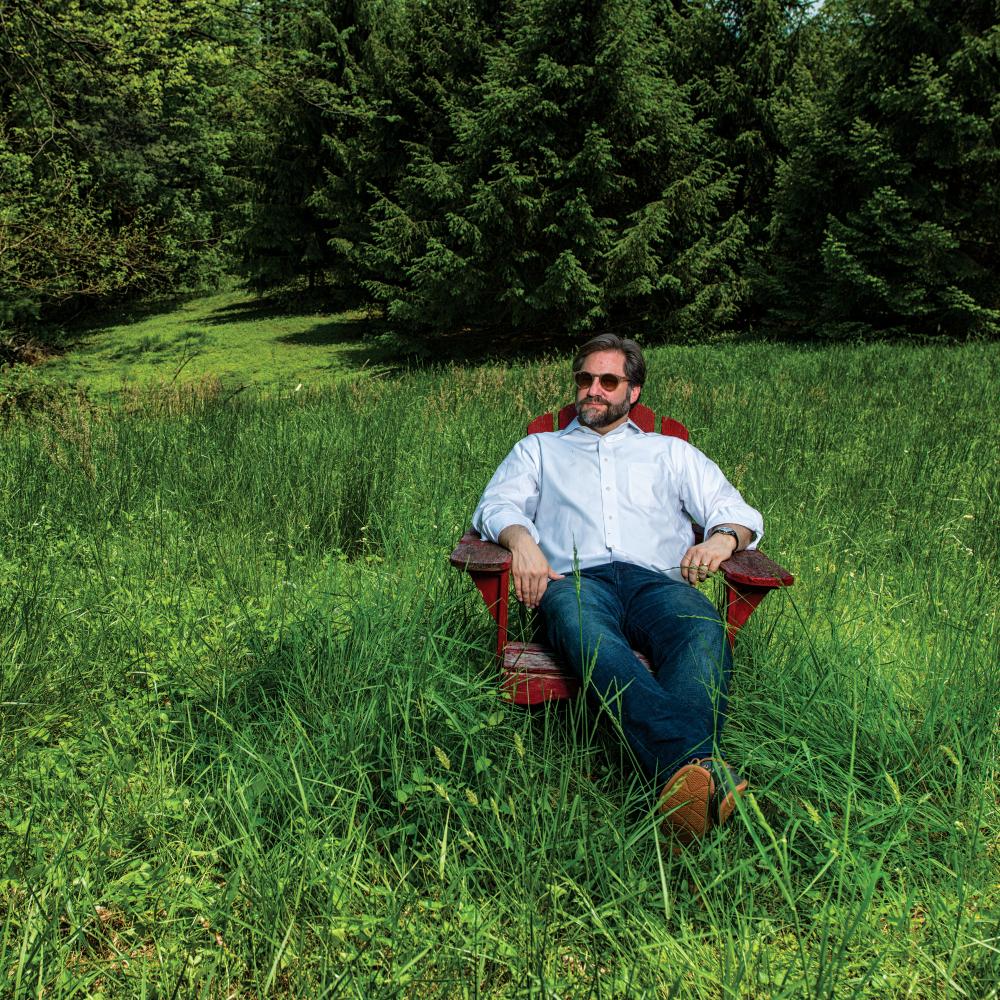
(727, 531)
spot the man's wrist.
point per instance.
(728, 533)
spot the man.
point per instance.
(598, 520)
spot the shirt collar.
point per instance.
(575, 425)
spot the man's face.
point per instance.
(596, 407)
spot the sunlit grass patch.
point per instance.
(231, 337)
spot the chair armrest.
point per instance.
(751, 568)
(477, 556)
(754, 569)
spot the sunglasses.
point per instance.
(609, 383)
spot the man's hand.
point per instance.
(702, 560)
(529, 567)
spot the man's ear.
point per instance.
(633, 394)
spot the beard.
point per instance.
(600, 416)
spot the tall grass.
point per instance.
(251, 743)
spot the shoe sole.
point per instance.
(686, 800)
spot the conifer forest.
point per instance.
(680, 167)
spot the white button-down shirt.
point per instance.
(624, 496)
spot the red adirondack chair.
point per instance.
(530, 673)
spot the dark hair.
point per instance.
(635, 363)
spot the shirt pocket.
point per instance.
(643, 479)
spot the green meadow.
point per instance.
(250, 738)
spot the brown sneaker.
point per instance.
(729, 786)
(701, 794)
(685, 801)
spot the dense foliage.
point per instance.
(116, 124)
(576, 186)
(886, 208)
(542, 165)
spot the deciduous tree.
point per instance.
(115, 133)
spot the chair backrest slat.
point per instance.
(542, 424)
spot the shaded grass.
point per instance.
(251, 742)
(231, 337)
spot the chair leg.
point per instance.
(741, 602)
(494, 587)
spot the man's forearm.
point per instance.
(513, 535)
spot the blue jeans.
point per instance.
(678, 711)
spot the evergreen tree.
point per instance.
(302, 200)
(577, 190)
(740, 54)
(739, 57)
(428, 89)
(887, 206)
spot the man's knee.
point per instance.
(707, 632)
